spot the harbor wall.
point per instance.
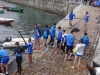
(61, 7)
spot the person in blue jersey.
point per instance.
(45, 34)
(58, 38)
(4, 58)
(69, 44)
(52, 34)
(85, 40)
(98, 3)
(63, 42)
(29, 45)
(71, 17)
(86, 20)
(18, 51)
(36, 37)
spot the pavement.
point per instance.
(47, 63)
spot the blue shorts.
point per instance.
(78, 55)
(4, 60)
(85, 21)
(70, 20)
(37, 38)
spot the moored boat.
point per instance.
(15, 9)
(6, 21)
(11, 44)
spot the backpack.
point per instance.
(39, 32)
(45, 34)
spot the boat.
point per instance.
(15, 9)
(11, 44)
(6, 21)
(1, 11)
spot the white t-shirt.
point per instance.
(80, 49)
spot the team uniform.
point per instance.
(63, 42)
(80, 50)
(29, 46)
(85, 40)
(98, 3)
(69, 43)
(71, 17)
(4, 57)
(86, 18)
(36, 34)
(59, 38)
(18, 51)
(45, 33)
(52, 35)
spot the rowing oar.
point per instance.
(15, 26)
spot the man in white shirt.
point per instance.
(79, 53)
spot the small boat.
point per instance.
(15, 9)
(6, 21)
(1, 11)
(11, 44)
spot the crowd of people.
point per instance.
(65, 43)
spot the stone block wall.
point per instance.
(61, 7)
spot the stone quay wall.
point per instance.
(61, 7)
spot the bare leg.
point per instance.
(70, 55)
(34, 43)
(85, 26)
(66, 56)
(79, 62)
(38, 42)
(7, 68)
(2, 68)
(70, 24)
(75, 60)
(30, 58)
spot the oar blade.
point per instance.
(14, 24)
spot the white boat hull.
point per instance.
(12, 43)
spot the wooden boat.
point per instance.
(6, 21)
(1, 11)
(11, 44)
(15, 9)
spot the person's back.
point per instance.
(80, 49)
(85, 40)
(3, 53)
(52, 31)
(18, 50)
(45, 32)
(70, 40)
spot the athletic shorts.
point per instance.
(69, 48)
(36, 38)
(58, 43)
(85, 21)
(70, 21)
(78, 55)
(63, 47)
(4, 60)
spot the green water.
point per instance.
(26, 20)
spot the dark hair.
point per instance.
(64, 30)
(72, 31)
(80, 41)
(54, 23)
(17, 43)
(29, 39)
(46, 26)
(87, 12)
(59, 27)
(85, 33)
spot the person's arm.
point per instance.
(74, 16)
(76, 47)
(27, 44)
(72, 40)
(15, 51)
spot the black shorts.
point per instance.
(58, 43)
(69, 48)
(63, 47)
